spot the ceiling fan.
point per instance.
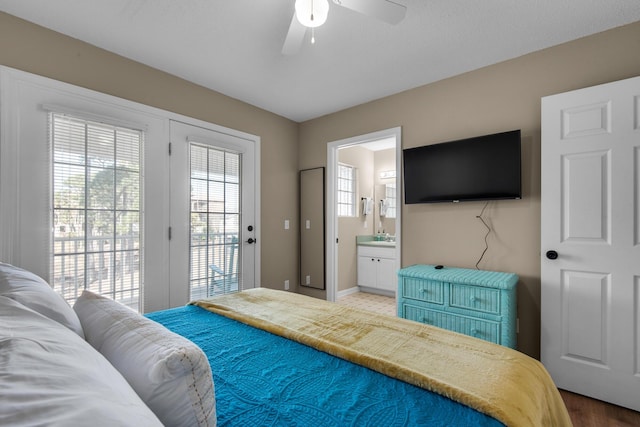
(313, 13)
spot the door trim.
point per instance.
(332, 220)
(208, 134)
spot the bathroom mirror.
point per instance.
(386, 216)
(312, 224)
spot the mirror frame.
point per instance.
(312, 244)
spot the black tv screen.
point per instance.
(481, 168)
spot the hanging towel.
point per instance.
(383, 208)
(367, 205)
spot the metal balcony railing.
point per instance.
(112, 267)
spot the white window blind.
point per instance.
(346, 193)
(96, 209)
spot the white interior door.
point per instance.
(590, 293)
(214, 230)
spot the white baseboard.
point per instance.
(377, 291)
(346, 292)
(357, 289)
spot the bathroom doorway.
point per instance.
(371, 222)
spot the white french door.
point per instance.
(590, 269)
(214, 235)
(74, 196)
(93, 208)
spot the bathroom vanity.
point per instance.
(377, 268)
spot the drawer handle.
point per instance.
(424, 320)
(475, 332)
(423, 290)
(473, 298)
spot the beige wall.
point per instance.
(31, 48)
(497, 98)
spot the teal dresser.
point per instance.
(473, 302)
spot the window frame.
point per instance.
(350, 208)
(114, 266)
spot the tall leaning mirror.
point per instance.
(312, 223)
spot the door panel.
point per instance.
(387, 274)
(636, 195)
(590, 217)
(585, 197)
(636, 292)
(586, 120)
(585, 316)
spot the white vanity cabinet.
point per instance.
(377, 267)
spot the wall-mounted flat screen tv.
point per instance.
(481, 168)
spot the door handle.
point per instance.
(251, 240)
(552, 254)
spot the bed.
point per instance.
(254, 358)
(285, 359)
(268, 380)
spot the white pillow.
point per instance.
(32, 291)
(50, 376)
(170, 373)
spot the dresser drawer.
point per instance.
(482, 329)
(477, 298)
(423, 290)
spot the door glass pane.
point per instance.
(96, 216)
(214, 221)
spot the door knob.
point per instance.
(552, 254)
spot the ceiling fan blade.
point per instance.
(295, 37)
(384, 10)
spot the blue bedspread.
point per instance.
(265, 380)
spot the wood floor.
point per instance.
(584, 411)
(587, 412)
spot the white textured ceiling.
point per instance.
(233, 46)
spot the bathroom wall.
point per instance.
(350, 227)
(369, 164)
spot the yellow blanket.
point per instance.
(495, 380)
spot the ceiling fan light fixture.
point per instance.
(312, 13)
